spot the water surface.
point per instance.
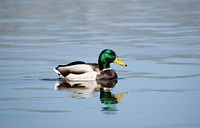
(158, 39)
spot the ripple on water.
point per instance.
(34, 110)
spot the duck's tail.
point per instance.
(59, 74)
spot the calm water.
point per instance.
(158, 39)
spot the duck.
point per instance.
(82, 71)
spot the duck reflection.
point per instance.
(86, 89)
(80, 89)
(110, 100)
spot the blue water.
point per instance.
(158, 39)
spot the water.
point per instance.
(158, 39)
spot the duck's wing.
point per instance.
(94, 66)
(74, 63)
(76, 67)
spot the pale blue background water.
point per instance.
(158, 39)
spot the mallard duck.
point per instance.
(81, 71)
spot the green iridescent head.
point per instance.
(108, 56)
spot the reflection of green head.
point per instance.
(108, 56)
(106, 97)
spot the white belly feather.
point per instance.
(79, 68)
(82, 77)
(78, 72)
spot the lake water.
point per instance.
(158, 39)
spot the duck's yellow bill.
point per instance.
(118, 61)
